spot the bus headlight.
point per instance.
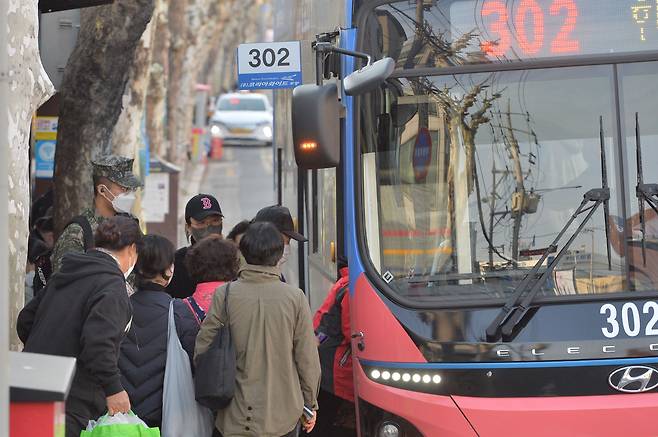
(408, 379)
(389, 430)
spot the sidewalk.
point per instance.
(242, 182)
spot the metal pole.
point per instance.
(515, 154)
(492, 206)
(591, 260)
(279, 176)
(301, 210)
(4, 223)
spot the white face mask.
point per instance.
(285, 256)
(122, 203)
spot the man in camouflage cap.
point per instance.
(114, 193)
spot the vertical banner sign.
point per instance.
(45, 136)
(270, 65)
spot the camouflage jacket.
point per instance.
(72, 238)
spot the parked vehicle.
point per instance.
(242, 119)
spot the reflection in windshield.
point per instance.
(475, 174)
(422, 34)
(478, 173)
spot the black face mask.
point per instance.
(200, 234)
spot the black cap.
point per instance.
(201, 206)
(280, 217)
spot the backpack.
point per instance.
(197, 311)
(330, 336)
(43, 267)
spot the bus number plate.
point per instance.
(631, 318)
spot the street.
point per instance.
(242, 181)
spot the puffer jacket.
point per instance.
(144, 350)
(84, 312)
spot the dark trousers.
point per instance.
(78, 414)
(331, 407)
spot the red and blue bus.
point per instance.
(496, 199)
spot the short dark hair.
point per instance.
(342, 262)
(213, 259)
(117, 233)
(238, 229)
(100, 180)
(156, 256)
(262, 244)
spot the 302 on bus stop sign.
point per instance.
(269, 65)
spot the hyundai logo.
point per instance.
(634, 379)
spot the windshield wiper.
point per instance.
(518, 304)
(644, 192)
(604, 184)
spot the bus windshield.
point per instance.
(476, 173)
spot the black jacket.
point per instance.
(181, 285)
(84, 312)
(144, 350)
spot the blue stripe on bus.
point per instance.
(350, 213)
(513, 364)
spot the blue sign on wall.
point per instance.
(44, 158)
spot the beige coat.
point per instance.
(278, 368)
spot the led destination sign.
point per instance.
(525, 29)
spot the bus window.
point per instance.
(479, 174)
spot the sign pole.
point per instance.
(4, 223)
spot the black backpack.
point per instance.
(43, 267)
(214, 378)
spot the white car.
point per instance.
(243, 119)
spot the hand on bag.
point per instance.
(118, 403)
(310, 424)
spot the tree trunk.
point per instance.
(195, 26)
(157, 89)
(91, 97)
(127, 138)
(29, 89)
(177, 28)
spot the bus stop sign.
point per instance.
(422, 154)
(269, 65)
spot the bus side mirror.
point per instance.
(316, 126)
(369, 77)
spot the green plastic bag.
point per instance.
(119, 425)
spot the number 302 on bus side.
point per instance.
(629, 320)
